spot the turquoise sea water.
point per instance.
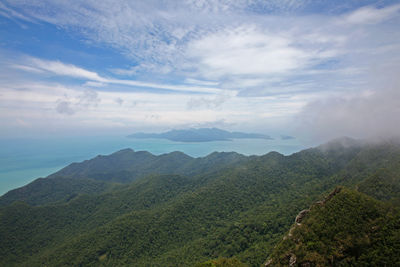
(23, 160)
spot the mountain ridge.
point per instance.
(236, 212)
(104, 172)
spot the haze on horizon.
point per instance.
(314, 69)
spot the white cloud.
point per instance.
(119, 101)
(94, 84)
(154, 33)
(208, 48)
(372, 15)
(95, 80)
(182, 88)
(62, 69)
(196, 103)
(246, 51)
(200, 82)
(142, 68)
(66, 107)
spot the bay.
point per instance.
(23, 160)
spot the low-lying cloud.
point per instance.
(373, 115)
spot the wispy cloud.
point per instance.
(95, 80)
(251, 63)
(68, 107)
(11, 13)
(372, 15)
(159, 35)
(59, 68)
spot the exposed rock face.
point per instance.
(301, 216)
(332, 194)
(268, 263)
(292, 260)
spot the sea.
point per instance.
(24, 160)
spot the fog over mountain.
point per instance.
(371, 113)
(374, 115)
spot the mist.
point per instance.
(369, 115)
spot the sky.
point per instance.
(317, 69)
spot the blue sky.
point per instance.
(316, 69)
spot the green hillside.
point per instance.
(350, 229)
(127, 165)
(220, 210)
(103, 173)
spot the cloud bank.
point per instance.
(372, 113)
(372, 116)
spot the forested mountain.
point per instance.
(107, 172)
(127, 165)
(221, 210)
(348, 229)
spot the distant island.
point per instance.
(200, 135)
(287, 137)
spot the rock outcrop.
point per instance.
(298, 220)
(301, 216)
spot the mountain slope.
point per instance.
(44, 190)
(104, 173)
(203, 211)
(348, 229)
(26, 230)
(127, 165)
(239, 212)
